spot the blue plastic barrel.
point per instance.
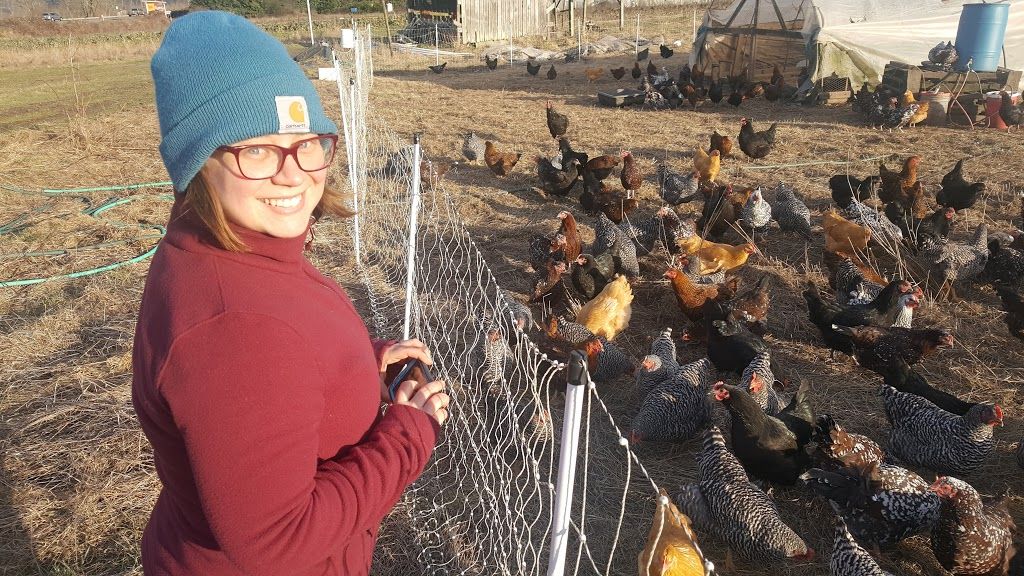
(979, 36)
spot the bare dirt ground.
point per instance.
(76, 477)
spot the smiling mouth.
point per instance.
(289, 202)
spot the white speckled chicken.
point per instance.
(756, 212)
(677, 409)
(740, 513)
(790, 212)
(925, 435)
(971, 538)
(849, 558)
(473, 147)
(676, 188)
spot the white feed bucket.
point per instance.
(348, 38)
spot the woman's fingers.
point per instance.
(426, 391)
(413, 348)
(429, 397)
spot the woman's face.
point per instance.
(278, 206)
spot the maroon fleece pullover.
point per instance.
(257, 384)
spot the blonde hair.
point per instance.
(201, 198)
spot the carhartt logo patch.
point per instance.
(292, 115)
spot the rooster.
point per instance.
(609, 312)
(736, 510)
(756, 144)
(925, 435)
(500, 163)
(971, 537)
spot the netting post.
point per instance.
(575, 390)
(414, 210)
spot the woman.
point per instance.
(254, 378)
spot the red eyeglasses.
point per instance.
(263, 161)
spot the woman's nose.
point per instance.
(290, 174)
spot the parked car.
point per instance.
(51, 17)
(136, 12)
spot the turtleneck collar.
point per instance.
(187, 230)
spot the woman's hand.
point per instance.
(429, 397)
(404, 349)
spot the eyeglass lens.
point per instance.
(265, 161)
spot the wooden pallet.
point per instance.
(901, 77)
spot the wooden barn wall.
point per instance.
(489, 20)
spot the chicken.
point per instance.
(678, 408)
(636, 72)
(645, 233)
(849, 558)
(618, 73)
(971, 537)
(736, 98)
(546, 247)
(707, 165)
(613, 204)
(723, 257)
(843, 236)
(591, 274)
(1013, 305)
(922, 109)
(567, 228)
(676, 188)
(880, 226)
(837, 448)
(500, 163)
(895, 186)
(876, 348)
(715, 92)
(902, 377)
(691, 297)
(473, 147)
(567, 153)
(631, 177)
(605, 360)
(756, 144)
(1005, 265)
(759, 380)
(594, 74)
(660, 364)
(927, 234)
(492, 63)
(944, 54)
(602, 166)
(957, 193)
(739, 512)
(572, 333)
(881, 311)
(925, 435)
(881, 503)
(552, 73)
(756, 212)
(854, 282)
(731, 345)
(721, 143)
(790, 211)
(1012, 114)
(532, 68)
(558, 182)
(558, 123)
(547, 280)
(962, 261)
(613, 240)
(671, 548)
(752, 306)
(609, 312)
(651, 68)
(438, 68)
(844, 187)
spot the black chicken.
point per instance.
(957, 193)
(531, 68)
(666, 52)
(557, 123)
(552, 73)
(438, 68)
(643, 54)
(652, 70)
(1012, 114)
(877, 348)
(592, 273)
(735, 98)
(555, 181)
(844, 186)
(756, 144)
(902, 377)
(568, 153)
(1013, 305)
(636, 72)
(882, 311)
(619, 72)
(715, 93)
(731, 345)
(492, 63)
(770, 448)
(1005, 265)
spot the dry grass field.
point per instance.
(76, 474)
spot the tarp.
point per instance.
(852, 38)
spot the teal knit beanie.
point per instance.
(219, 79)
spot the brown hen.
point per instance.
(500, 163)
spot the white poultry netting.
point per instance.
(485, 503)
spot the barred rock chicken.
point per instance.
(925, 435)
(856, 283)
(902, 377)
(756, 144)
(672, 548)
(609, 312)
(843, 236)
(721, 143)
(944, 54)
(790, 212)
(690, 296)
(676, 188)
(558, 123)
(880, 226)
(1012, 114)
(737, 511)
(611, 238)
(630, 176)
(837, 448)
(558, 182)
(771, 448)
(1013, 305)
(971, 537)
(662, 227)
(678, 408)
(957, 193)
(962, 261)
(881, 503)
(845, 188)
(605, 360)
(707, 165)
(756, 213)
(592, 273)
(660, 364)
(758, 380)
(849, 558)
(473, 147)
(881, 311)
(876, 348)
(500, 163)
(1005, 266)
(572, 333)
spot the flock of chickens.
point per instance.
(776, 435)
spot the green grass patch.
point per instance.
(30, 97)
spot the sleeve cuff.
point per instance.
(426, 428)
